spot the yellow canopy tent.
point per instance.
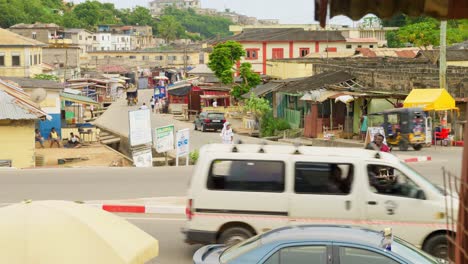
(430, 100)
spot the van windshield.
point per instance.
(415, 174)
(239, 249)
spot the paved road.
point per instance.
(93, 183)
(128, 183)
(172, 248)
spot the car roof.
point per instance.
(357, 153)
(324, 233)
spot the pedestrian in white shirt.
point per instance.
(226, 134)
(215, 103)
(152, 102)
(143, 107)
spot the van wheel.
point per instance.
(234, 235)
(417, 147)
(437, 246)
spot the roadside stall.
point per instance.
(441, 113)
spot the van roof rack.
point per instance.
(297, 145)
(262, 150)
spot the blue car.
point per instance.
(317, 245)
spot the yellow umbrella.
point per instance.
(49, 232)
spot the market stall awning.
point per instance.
(180, 91)
(430, 100)
(214, 96)
(80, 99)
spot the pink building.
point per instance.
(264, 44)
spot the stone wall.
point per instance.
(396, 74)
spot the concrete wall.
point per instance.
(400, 75)
(30, 60)
(42, 34)
(67, 57)
(284, 70)
(17, 142)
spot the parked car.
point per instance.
(209, 120)
(318, 245)
(238, 191)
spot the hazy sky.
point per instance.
(288, 11)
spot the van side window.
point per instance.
(387, 180)
(323, 178)
(246, 176)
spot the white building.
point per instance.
(122, 42)
(157, 6)
(102, 41)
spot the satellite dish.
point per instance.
(38, 95)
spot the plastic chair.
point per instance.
(441, 134)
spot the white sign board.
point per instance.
(372, 131)
(182, 144)
(143, 159)
(140, 127)
(163, 138)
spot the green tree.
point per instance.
(249, 78)
(393, 41)
(206, 26)
(423, 31)
(420, 34)
(223, 58)
(46, 77)
(257, 106)
(169, 28)
(138, 16)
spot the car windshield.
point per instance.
(218, 116)
(239, 249)
(412, 253)
(415, 174)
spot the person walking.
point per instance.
(54, 138)
(152, 103)
(227, 135)
(91, 109)
(364, 121)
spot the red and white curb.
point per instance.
(417, 159)
(139, 209)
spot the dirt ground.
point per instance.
(85, 156)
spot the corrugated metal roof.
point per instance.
(263, 89)
(11, 109)
(25, 82)
(78, 98)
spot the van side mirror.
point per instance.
(420, 195)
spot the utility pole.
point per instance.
(443, 55)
